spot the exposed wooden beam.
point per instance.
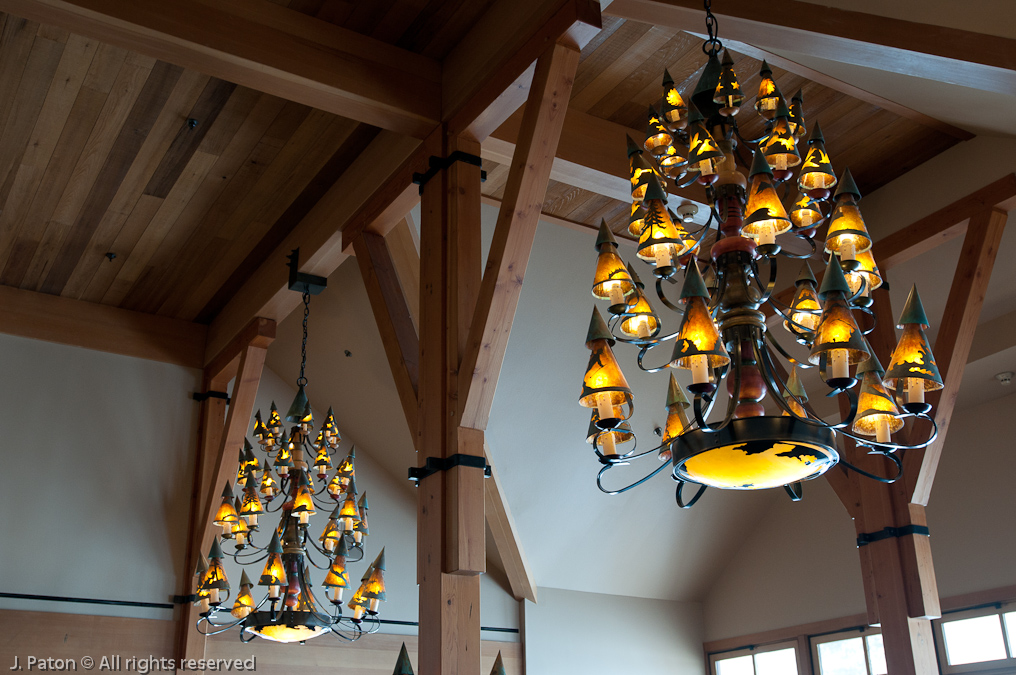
(318, 236)
(100, 327)
(940, 53)
(591, 154)
(484, 78)
(394, 320)
(404, 246)
(525, 192)
(846, 88)
(260, 332)
(268, 47)
(955, 337)
(506, 537)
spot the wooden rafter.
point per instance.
(940, 53)
(268, 47)
(100, 327)
(955, 337)
(506, 537)
(525, 191)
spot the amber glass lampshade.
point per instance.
(913, 367)
(817, 170)
(274, 573)
(261, 431)
(604, 386)
(728, 91)
(269, 488)
(303, 503)
(703, 152)
(866, 275)
(640, 321)
(657, 136)
(332, 534)
(698, 346)
(637, 219)
(337, 578)
(373, 589)
(274, 423)
(284, 458)
(673, 111)
(795, 395)
(214, 580)
(877, 414)
(838, 338)
(641, 172)
(226, 516)
(251, 506)
(244, 603)
(847, 235)
(805, 310)
(612, 281)
(674, 162)
(607, 440)
(768, 94)
(662, 239)
(797, 125)
(766, 215)
(780, 147)
(677, 418)
(805, 212)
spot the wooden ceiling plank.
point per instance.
(117, 138)
(397, 20)
(621, 68)
(606, 51)
(35, 166)
(206, 109)
(258, 44)
(172, 206)
(294, 168)
(849, 90)
(107, 329)
(318, 236)
(502, 45)
(542, 122)
(33, 86)
(104, 238)
(941, 53)
(127, 238)
(15, 46)
(952, 346)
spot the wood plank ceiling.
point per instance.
(136, 183)
(620, 75)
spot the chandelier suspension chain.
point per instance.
(712, 46)
(302, 380)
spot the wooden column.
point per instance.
(450, 546)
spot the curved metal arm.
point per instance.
(690, 503)
(888, 455)
(599, 477)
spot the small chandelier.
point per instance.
(722, 334)
(290, 611)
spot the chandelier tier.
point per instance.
(722, 334)
(290, 611)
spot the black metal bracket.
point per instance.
(435, 464)
(442, 163)
(204, 396)
(891, 532)
(184, 599)
(301, 281)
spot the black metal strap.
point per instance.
(442, 163)
(891, 532)
(199, 396)
(435, 464)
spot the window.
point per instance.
(775, 659)
(977, 641)
(855, 652)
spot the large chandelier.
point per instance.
(290, 611)
(722, 333)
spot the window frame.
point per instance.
(757, 649)
(997, 667)
(860, 631)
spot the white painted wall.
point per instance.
(98, 459)
(595, 634)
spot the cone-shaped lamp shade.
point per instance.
(403, 666)
(805, 309)
(766, 215)
(612, 281)
(274, 573)
(698, 341)
(795, 388)
(303, 503)
(673, 111)
(674, 161)
(838, 330)
(703, 152)
(780, 148)
(913, 360)
(797, 125)
(662, 239)
(251, 505)
(805, 212)
(269, 488)
(337, 576)
(768, 94)
(677, 418)
(244, 603)
(498, 668)
(817, 170)
(868, 272)
(608, 440)
(657, 135)
(274, 422)
(847, 235)
(728, 90)
(636, 221)
(640, 174)
(877, 414)
(641, 320)
(296, 410)
(604, 386)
